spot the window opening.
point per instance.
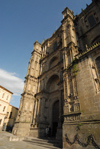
(0, 121)
(4, 108)
(91, 20)
(55, 46)
(7, 97)
(3, 95)
(10, 115)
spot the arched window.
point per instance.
(53, 62)
(52, 84)
(91, 20)
(97, 60)
(55, 46)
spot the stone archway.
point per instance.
(53, 92)
(52, 84)
(55, 117)
(54, 61)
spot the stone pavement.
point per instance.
(5, 143)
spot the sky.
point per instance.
(22, 22)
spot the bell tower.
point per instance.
(25, 113)
(70, 49)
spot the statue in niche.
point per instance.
(65, 102)
(94, 73)
(71, 108)
(76, 107)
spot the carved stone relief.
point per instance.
(95, 77)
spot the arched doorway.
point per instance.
(55, 117)
(53, 91)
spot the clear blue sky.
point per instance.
(22, 22)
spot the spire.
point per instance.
(43, 41)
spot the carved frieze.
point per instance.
(72, 117)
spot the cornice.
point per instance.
(5, 89)
(2, 114)
(30, 77)
(59, 63)
(66, 17)
(41, 93)
(85, 54)
(36, 52)
(89, 50)
(27, 93)
(4, 101)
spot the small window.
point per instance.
(55, 46)
(10, 115)
(4, 108)
(0, 121)
(91, 20)
(7, 114)
(7, 97)
(3, 95)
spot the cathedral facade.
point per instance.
(62, 85)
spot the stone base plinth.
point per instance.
(21, 129)
(34, 132)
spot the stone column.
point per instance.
(64, 44)
(35, 113)
(64, 63)
(38, 107)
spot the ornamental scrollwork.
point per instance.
(90, 139)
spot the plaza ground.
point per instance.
(5, 143)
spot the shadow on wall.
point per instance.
(47, 108)
(10, 118)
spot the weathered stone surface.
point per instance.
(62, 85)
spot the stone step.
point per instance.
(50, 143)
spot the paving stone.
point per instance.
(6, 144)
